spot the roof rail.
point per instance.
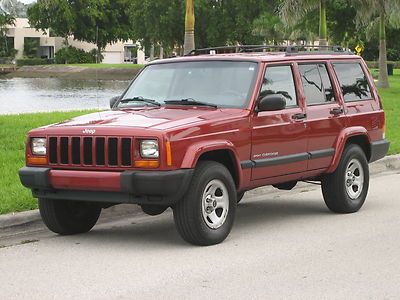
(289, 50)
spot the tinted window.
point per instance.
(279, 80)
(353, 81)
(316, 83)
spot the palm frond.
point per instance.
(293, 10)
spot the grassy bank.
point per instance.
(79, 72)
(391, 103)
(13, 196)
(107, 66)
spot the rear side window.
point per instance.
(316, 83)
(353, 81)
(279, 80)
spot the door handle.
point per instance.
(336, 111)
(299, 116)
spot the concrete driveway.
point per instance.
(283, 245)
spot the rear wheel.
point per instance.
(205, 215)
(345, 190)
(68, 217)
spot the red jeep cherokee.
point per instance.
(195, 133)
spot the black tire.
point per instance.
(188, 213)
(68, 217)
(239, 196)
(334, 188)
(153, 210)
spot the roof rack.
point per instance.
(288, 50)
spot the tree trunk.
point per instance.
(152, 52)
(189, 28)
(383, 73)
(161, 52)
(323, 37)
(98, 55)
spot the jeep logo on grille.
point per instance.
(89, 131)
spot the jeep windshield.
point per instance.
(200, 83)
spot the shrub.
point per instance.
(34, 61)
(72, 55)
(7, 50)
(31, 47)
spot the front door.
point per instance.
(279, 141)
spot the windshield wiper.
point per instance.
(190, 101)
(140, 99)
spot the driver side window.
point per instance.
(279, 80)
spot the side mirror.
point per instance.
(114, 100)
(271, 103)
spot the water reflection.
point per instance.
(23, 95)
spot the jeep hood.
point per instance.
(162, 118)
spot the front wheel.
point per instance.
(68, 217)
(345, 190)
(205, 215)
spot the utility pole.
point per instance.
(189, 27)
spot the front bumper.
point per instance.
(137, 187)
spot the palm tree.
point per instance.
(189, 27)
(293, 10)
(387, 12)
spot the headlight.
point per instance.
(149, 149)
(38, 146)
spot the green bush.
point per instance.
(31, 47)
(34, 61)
(72, 55)
(7, 50)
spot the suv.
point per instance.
(195, 133)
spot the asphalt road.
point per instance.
(283, 245)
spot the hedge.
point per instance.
(72, 55)
(34, 61)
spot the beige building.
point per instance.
(117, 53)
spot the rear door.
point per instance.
(279, 142)
(325, 112)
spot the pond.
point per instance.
(28, 95)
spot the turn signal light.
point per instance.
(146, 164)
(37, 160)
(169, 153)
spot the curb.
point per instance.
(19, 218)
(389, 163)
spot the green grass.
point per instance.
(107, 66)
(13, 128)
(6, 66)
(391, 103)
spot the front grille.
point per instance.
(91, 151)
